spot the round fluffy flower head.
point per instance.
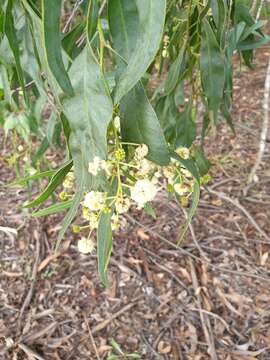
(96, 165)
(115, 222)
(145, 167)
(143, 191)
(122, 205)
(85, 246)
(69, 181)
(141, 151)
(181, 189)
(94, 200)
(183, 152)
(93, 220)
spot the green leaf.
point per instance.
(202, 162)
(92, 18)
(185, 127)
(104, 246)
(212, 69)
(14, 44)
(139, 124)
(191, 211)
(150, 210)
(151, 22)
(75, 203)
(174, 72)
(189, 164)
(88, 113)
(36, 176)
(53, 130)
(70, 39)
(43, 147)
(53, 209)
(56, 180)
(51, 12)
(123, 22)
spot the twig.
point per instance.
(234, 202)
(259, 10)
(106, 322)
(186, 252)
(30, 353)
(91, 337)
(252, 175)
(204, 319)
(34, 276)
(166, 269)
(76, 6)
(194, 237)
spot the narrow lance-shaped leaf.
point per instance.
(88, 113)
(92, 18)
(124, 23)
(139, 123)
(151, 22)
(52, 40)
(14, 44)
(56, 180)
(212, 69)
(185, 127)
(174, 72)
(104, 246)
(53, 209)
(191, 212)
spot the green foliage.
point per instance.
(100, 61)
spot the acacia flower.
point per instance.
(141, 151)
(85, 245)
(183, 152)
(94, 200)
(122, 205)
(143, 191)
(145, 166)
(96, 165)
(116, 122)
(181, 189)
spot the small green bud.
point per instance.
(76, 229)
(63, 196)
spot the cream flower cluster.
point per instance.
(134, 182)
(143, 192)
(98, 165)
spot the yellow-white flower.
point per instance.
(186, 173)
(86, 246)
(141, 151)
(122, 205)
(68, 183)
(115, 222)
(116, 122)
(93, 220)
(96, 165)
(143, 191)
(183, 152)
(145, 166)
(94, 200)
(181, 189)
